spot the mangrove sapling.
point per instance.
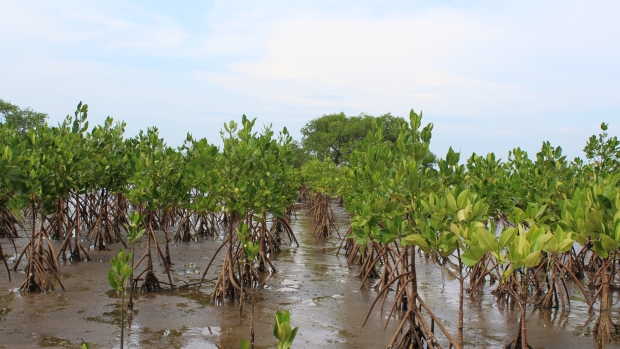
(387, 183)
(451, 224)
(558, 244)
(323, 180)
(282, 330)
(12, 164)
(419, 333)
(110, 164)
(487, 177)
(321, 214)
(156, 184)
(205, 188)
(41, 191)
(372, 237)
(70, 140)
(250, 251)
(134, 231)
(118, 277)
(49, 167)
(403, 279)
(257, 179)
(596, 220)
(150, 281)
(40, 261)
(524, 250)
(227, 283)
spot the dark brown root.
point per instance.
(322, 216)
(281, 225)
(42, 268)
(517, 343)
(151, 283)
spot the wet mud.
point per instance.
(323, 294)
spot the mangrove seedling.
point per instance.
(134, 231)
(250, 250)
(243, 344)
(118, 277)
(282, 330)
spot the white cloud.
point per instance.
(120, 27)
(503, 70)
(370, 63)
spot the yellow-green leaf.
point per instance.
(487, 240)
(532, 259)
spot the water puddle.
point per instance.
(322, 292)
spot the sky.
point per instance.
(490, 75)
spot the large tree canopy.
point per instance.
(20, 119)
(335, 136)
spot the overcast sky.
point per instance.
(490, 75)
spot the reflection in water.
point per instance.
(322, 292)
(46, 340)
(5, 300)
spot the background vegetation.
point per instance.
(528, 225)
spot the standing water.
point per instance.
(323, 294)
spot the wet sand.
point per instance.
(323, 294)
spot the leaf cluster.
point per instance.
(282, 330)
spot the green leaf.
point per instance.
(462, 199)
(468, 260)
(532, 259)
(398, 197)
(452, 202)
(472, 256)
(598, 248)
(276, 212)
(289, 342)
(416, 240)
(243, 344)
(275, 326)
(126, 271)
(455, 229)
(487, 240)
(565, 245)
(284, 331)
(550, 245)
(507, 236)
(608, 243)
(114, 280)
(605, 202)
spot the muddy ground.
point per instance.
(323, 294)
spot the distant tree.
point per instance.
(335, 135)
(20, 119)
(301, 155)
(391, 126)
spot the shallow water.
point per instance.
(321, 291)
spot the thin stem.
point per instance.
(252, 312)
(460, 319)
(123, 314)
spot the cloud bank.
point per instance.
(490, 76)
